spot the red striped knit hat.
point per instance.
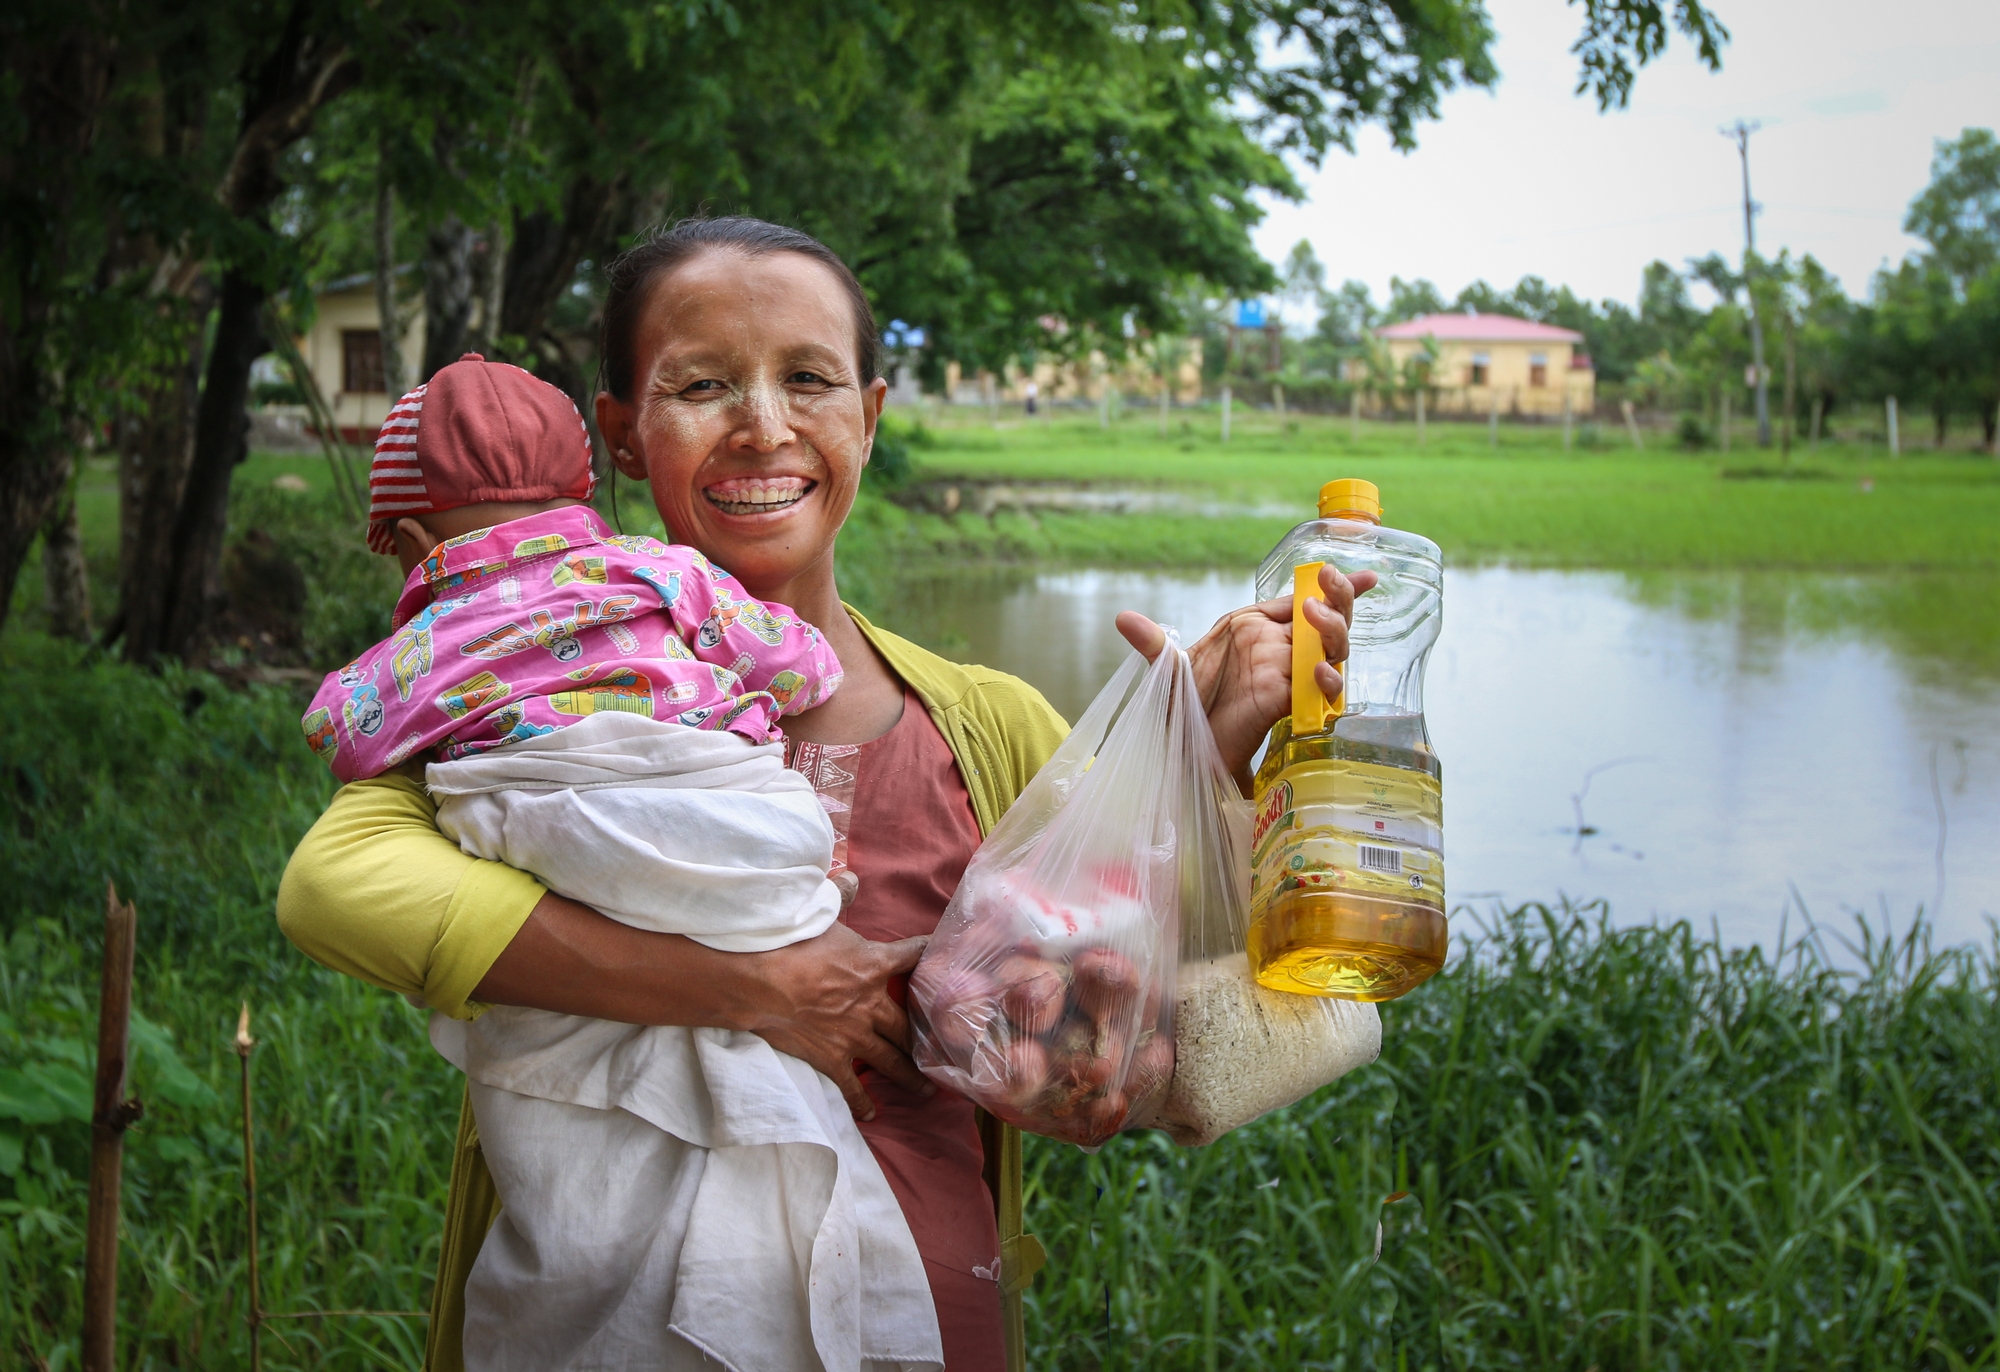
(477, 431)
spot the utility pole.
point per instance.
(1739, 134)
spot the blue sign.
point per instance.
(1249, 314)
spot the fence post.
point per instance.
(1895, 443)
(1566, 416)
(1632, 425)
(1278, 395)
(1420, 416)
(1493, 418)
(1225, 414)
(1354, 416)
(1818, 413)
(111, 1115)
(243, 1045)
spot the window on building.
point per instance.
(1538, 369)
(361, 362)
(1482, 369)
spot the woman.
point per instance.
(741, 366)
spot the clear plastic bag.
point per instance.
(1090, 972)
(1047, 992)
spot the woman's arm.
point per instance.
(375, 891)
(824, 1001)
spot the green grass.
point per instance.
(1621, 1148)
(1528, 502)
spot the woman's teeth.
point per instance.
(760, 496)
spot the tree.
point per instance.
(1958, 213)
(171, 174)
(1411, 300)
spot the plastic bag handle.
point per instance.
(1310, 707)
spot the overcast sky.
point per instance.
(1531, 179)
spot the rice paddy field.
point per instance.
(1585, 1147)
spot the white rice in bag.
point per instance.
(1241, 1051)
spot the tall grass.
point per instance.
(1584, 1147)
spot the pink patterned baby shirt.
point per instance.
(512, 632)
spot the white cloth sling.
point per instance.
(671, 1198)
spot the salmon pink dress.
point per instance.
(906, 819)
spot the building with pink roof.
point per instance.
(1483, 361)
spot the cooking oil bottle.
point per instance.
(1347, 871)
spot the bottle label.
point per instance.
(1337, 825)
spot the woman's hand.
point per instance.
(829, 1005)
(825, 1001)
(1243, 666)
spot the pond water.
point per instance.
(1747, 748)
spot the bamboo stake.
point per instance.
(244, 1045)
(1632, 425)
(111, 1115)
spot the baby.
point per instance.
(602, 711)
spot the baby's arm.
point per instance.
(767, 646)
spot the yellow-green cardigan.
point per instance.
(375, 891)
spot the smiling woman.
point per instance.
(741, 384)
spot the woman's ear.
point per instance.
(614, 421)
(873, 397)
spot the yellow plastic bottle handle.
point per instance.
(1310, 707)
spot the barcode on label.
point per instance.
(1374, 859)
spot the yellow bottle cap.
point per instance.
(1350, 499)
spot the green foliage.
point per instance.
(190, 796)
(1583, 1147)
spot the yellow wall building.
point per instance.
(1486, 361)
(344, 351)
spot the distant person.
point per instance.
(1031, 390)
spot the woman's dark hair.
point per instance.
(629, 282)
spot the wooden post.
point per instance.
(111, 1115)
(1566, 415)
(1354, 415)
(243, 1045)
(1895, 443)
(1632, 425)
(1818, 414)
(1278, 396)
(1225, 414)
(1493, 417)
(1420, 416)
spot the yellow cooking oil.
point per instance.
(1347, 867)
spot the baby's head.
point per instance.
(479, 444)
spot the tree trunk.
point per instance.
(541, 264)
(449, 290)
(301, 73)
(385, 276)
(194, 549)
(65, 579)
(60, 90)
(155, 445)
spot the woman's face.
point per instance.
(747, 413)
